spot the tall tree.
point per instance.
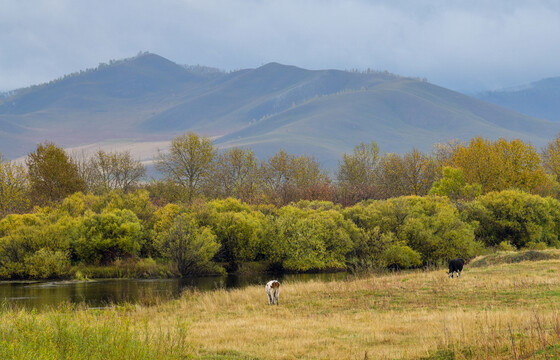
(390, 176)
(13, 188)
(188, 162)
(501, 164)
(114, 170)
(356, 172)
(551, 157)
(52, 174)
(444, 153)
(288, 177)
(235, 173)
(419, 172)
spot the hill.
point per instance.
(539, 99)
(148, 99)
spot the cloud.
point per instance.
(462, 45)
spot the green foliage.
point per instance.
(430, 226)
(310, 239)
(453, 185)
(52, 174)
(401, 257)
(188, 162)
(238, 228)
(107, 236)
(117, 228)
(190, 246)
(35, 245)
(46, 264)
(13, 188)
(516, 217)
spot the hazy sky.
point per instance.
(464, 45)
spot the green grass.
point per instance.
(514, 257)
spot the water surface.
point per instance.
(103, 293)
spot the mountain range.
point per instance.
(143, 102)
(540, 99)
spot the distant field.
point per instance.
(500, 310)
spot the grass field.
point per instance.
(507, 310)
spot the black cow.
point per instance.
(456, 265)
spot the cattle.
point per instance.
(456, 266)
(272, 291)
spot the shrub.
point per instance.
(190, 246)
(516, 217)
(430, 226)
(46, 264)
(401, 257)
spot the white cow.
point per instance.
(273, 291)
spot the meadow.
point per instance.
(503, 307)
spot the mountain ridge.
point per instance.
(323, 113)
(539, 99)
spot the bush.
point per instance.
(429, 226)
(47, 264)
(308, 239)
(401, 257)
(108, 236)
(515, 217)
(190, 246)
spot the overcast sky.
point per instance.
(465, 45)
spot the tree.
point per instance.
(13, 188)
(390, 176)
(444, 153)
(356, 172)
(52, 174)
(453, 185)
(289, 177)
(419, 172)
(115, 170)
(235, 173)
(429, 226)
(188, 162)
(36, 245)
(410, 174)
(501, 164)
(551, 157)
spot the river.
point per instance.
(107, 292)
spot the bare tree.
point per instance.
(106, 171)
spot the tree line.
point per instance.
(213, 211)
(193, 168)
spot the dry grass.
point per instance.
(505, 311)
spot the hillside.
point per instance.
(149, 99)
(539, 99)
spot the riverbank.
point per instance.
(499, 311)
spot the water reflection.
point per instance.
(102, 293)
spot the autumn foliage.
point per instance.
(212, 211)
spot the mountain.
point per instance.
(540, 99)
(148, 100)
